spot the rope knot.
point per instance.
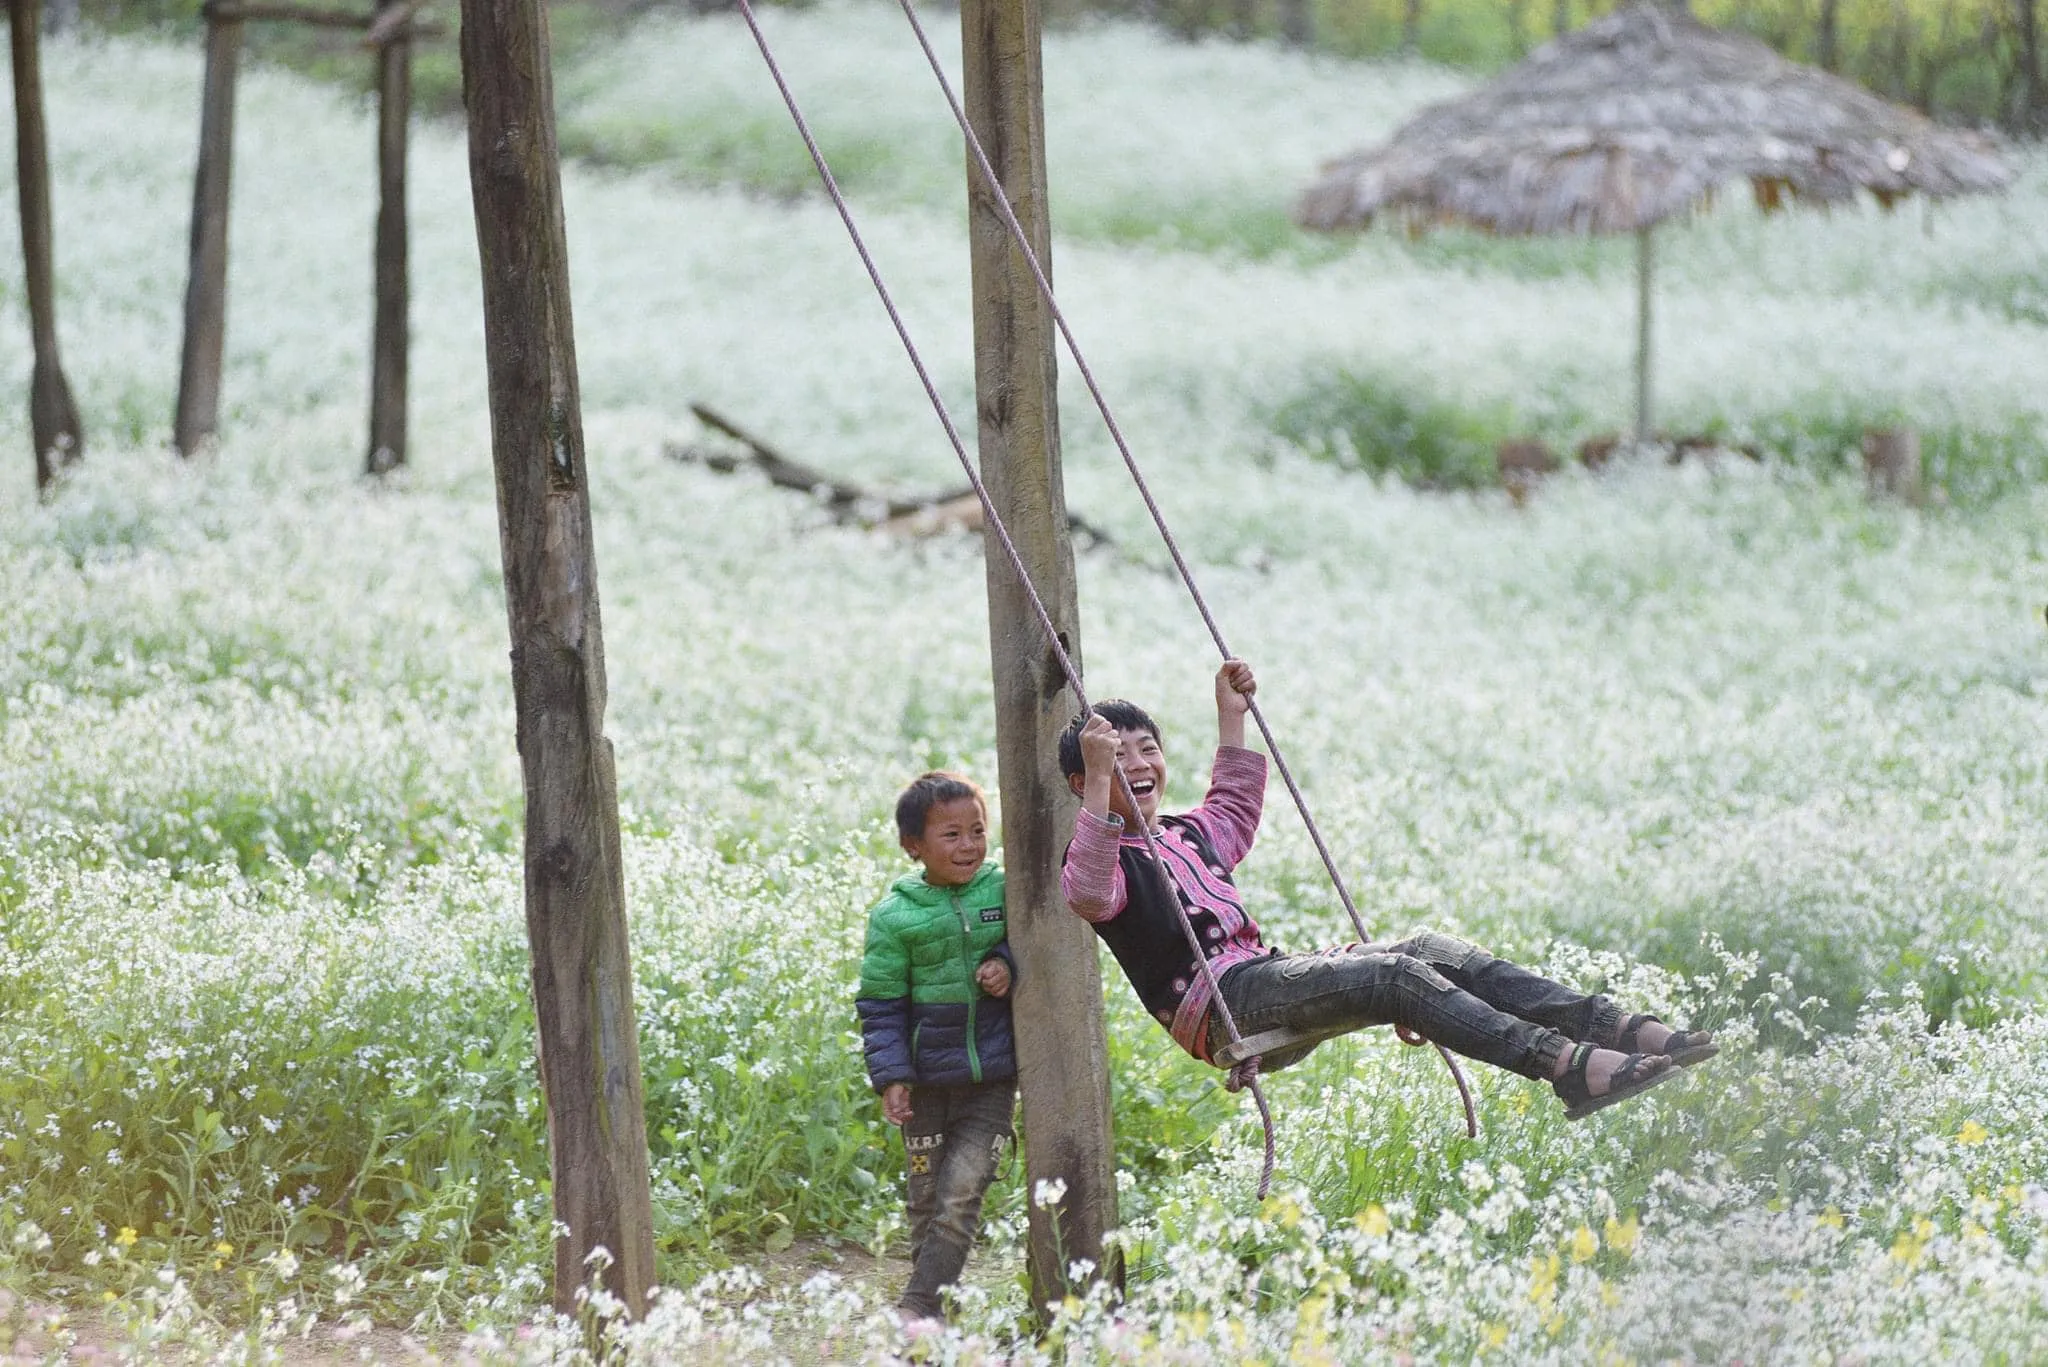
(1244, 1075)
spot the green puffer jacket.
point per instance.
(923, 1019)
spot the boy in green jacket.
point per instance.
(935, 1025)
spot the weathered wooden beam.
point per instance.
(845, 500)
(53, 417)
(393, 22)
(575, 889)
(389, 342)
(1062, 1049)
(917, 514)
(206, 281)
(233, 12)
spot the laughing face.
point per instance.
(954, 843)
(1144, 764)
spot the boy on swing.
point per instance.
(1448, 991)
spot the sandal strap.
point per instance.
(1625, 1038)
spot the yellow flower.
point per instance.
(127, 1237)
(1494, 1334)
(1373, 1221)
(1543, 1279)
(1585, 1244)
(107, 1298)
(1972, 1133)
(1621, 1235)
(1910, 1244)
(1830, 1217)
(223, 1249)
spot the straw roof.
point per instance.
(1640, 116)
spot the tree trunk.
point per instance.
(1826, 41)
(389, 343)
(206, 283)
(2027, 111)
(1645, 269)
(53, 418)
(575, 895)
(1062, 1050)
(1411, 26)
(1561, 18)
(1298, 23)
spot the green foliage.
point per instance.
(1365, 422)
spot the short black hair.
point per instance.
(1124, 716)
(927, 791)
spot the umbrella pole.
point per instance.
(1644, 261)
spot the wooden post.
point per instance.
(53, 418)
(206, 284)
(1891, 464)
(575, 895)
(1062, 1051)
(389, 342)
(1644, 269)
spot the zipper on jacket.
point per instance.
(973, 987)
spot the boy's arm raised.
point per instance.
(1235, 685)
(1229, 814)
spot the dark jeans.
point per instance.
(952, 1145)
(1446, 990)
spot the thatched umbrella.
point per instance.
(1635, 118)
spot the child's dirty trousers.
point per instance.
(953, 1143)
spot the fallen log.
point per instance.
(850, 504)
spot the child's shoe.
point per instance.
(1638, 1073)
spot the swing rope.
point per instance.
(1022, 240)
(994, 522)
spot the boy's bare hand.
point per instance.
(994, 977)
(896, 1103)
(1235, 685)
(1099, 742)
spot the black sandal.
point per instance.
(1638, 1074)
(1684, 1048)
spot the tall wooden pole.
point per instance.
(53, 418)
(1062, 1052)
(206, 283)
(575, 893)
(1645, 265)
(389, 342)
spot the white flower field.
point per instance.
(1731, 740)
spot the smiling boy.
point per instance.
(935, 1025)
(1435, 985)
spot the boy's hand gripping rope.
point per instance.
(1022, 240)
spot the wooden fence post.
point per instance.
(575, 895)
(53, 418)
(390, 340)
(1062, 1051)
(206, 284)
(1891, 464)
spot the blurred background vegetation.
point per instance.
(1963, 61)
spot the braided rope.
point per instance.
(995, 524)
(1022, 240)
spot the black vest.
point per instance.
(1146, 936)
